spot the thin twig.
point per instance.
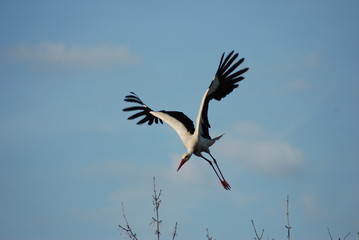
(346, 235)
(174, 232)
(255, 231)
(331, 238)
(207, 235)
(330, 235)
(127, 228)
(156, 203)
(288, 224)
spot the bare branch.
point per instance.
(288, 224)
(127, 228)
(174, 232)
(255, 231)
(156, 203)
(331, 238)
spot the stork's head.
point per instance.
(185, 158)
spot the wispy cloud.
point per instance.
(261, 153)
(50, 54)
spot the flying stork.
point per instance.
(195, 139)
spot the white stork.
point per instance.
(196, 139)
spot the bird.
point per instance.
(195, 138)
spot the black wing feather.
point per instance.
(143, 110)
(228, 62)
(133, 108)
(145, 119)
(136, 115)
(234, 66)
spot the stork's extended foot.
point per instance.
(225, 184)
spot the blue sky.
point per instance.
(69, 157)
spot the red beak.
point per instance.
(182, 162)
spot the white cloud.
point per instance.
(58, 54)
(261, 153)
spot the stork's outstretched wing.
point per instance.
(224, 82)
(177, 120)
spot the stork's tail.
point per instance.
(215, 139)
